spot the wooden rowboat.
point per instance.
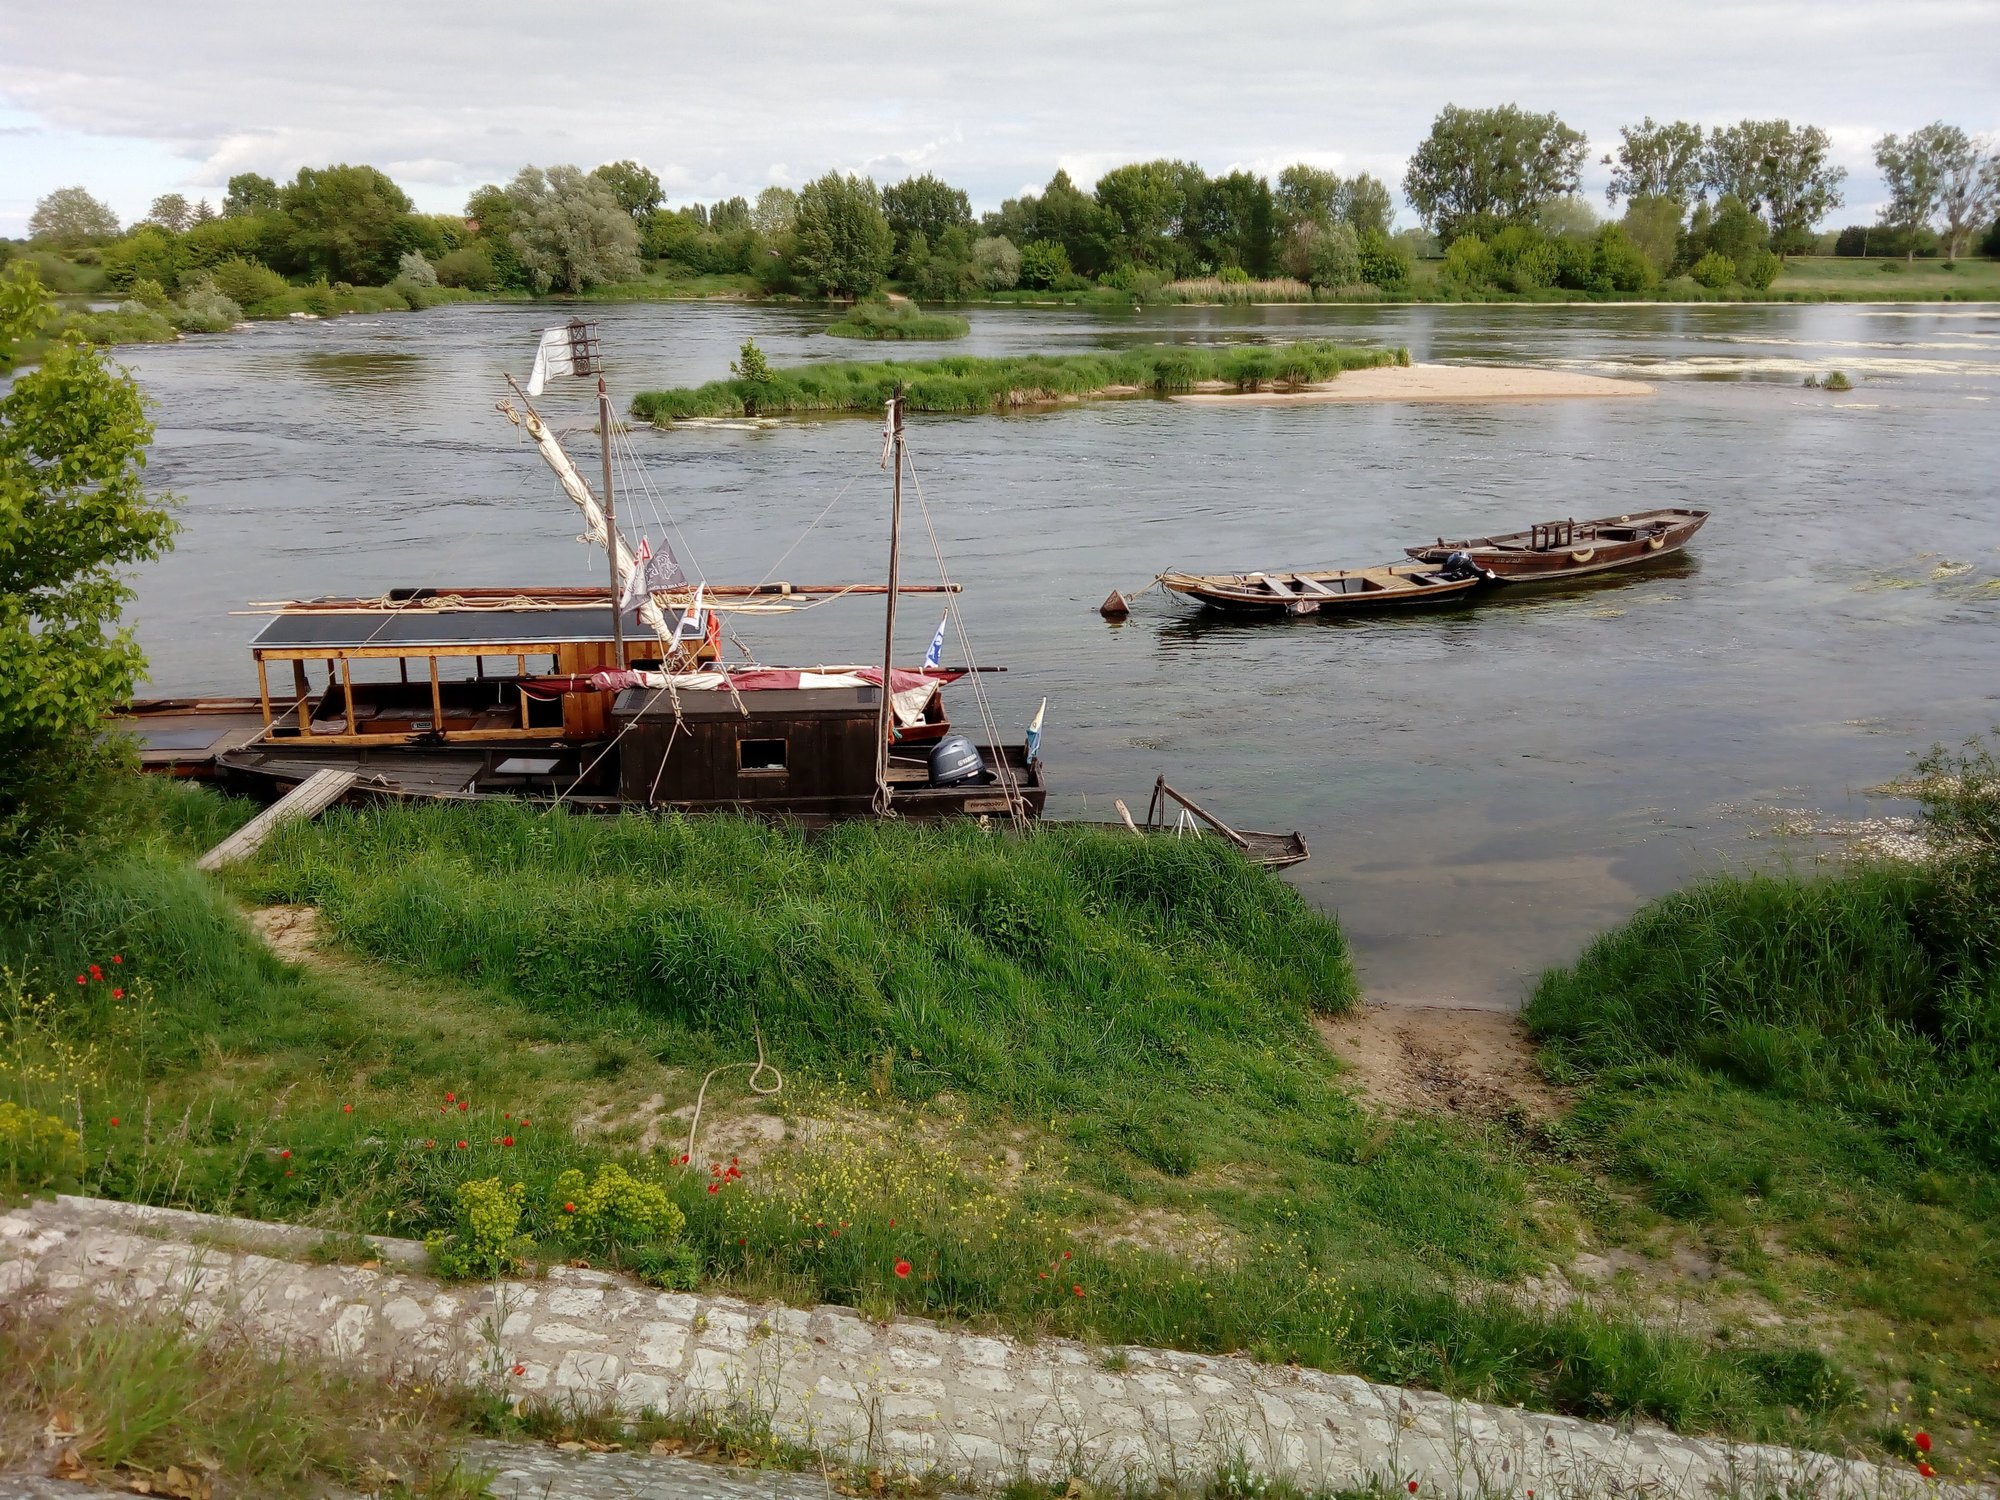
(1326, 591)
(1573, 549)
(1274, 851)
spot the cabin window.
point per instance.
(760, 755)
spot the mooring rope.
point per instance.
(757, 1070)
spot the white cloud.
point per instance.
(139, 100)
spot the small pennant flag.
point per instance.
(935, 656)
(691, 621)
(1035, 731)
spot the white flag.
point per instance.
(555, 355)
(935, 656)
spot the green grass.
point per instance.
(1883, 279)
(969, 383)
(1804, 1076)
(901, 320)
(1131, 1021)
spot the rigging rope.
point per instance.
(757, 1070)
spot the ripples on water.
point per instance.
(1483, 789)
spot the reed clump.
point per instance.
(896, 320)
(971, 383)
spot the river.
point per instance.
(1483, 790)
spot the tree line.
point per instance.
(1498, 192)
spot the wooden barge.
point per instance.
(1558, 550)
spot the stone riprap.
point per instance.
(905, 1395)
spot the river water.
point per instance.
(1483, 790)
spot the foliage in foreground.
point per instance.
(141, 1396)
(969, 383)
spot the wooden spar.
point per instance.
(885, 716)
(1125, 813)
(500, 599)
(611, 527)
(595, 525)
(1160, 788)
(314, 795)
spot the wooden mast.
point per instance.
(611, 527)
(885, 717)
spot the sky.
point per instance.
(132, 101)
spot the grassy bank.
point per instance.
(1022, 1068)
(968, 383)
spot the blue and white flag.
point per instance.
(1035, 731)
(935, 656)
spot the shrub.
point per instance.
(470, 266)
(416, 270)
(486, 1240)
(628, 1219)
(1714, 270)
(1837, 381)
(997, 262)
(1759, 269)
(1385, 263)
(37, 1151)
(1235, 275)
(247, 283)
(204, 309)
(904, 320)
(318, 298)
(148, 293)
(1044, 264)
(1333, 256)
(1465, 263)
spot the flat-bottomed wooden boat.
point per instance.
(1558, 550)
(1329, 591)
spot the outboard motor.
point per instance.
(955, 761)
(1459, 565)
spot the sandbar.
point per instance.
(1438, 383)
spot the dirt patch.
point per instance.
(291, 932)
(733, 1132)
(1441, 1059)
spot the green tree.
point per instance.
(74, 513)
(1044, 263)
(347, 223)
(1938, 171)
(1782, 170)
(1660, 162)
(1714, 270)
(1333, 256)
(924, 205)
(1145, 205)
(843, 240)
(1367, 204)
(569, 232)
(69, 217)
(172, 211)
(774, 211)
(1306, 195)
(148, 253)
(1235, 222)
(1654, 225)
(1483, 167)
(251, 194)
(635, 187)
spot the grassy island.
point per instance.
(897, 320)
(969, 383)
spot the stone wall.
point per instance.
(907, 1394)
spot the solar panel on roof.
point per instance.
(442, 628)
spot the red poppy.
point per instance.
(684, 1158)
(430, 1145)
(892, 1223)
(451, 1098)
(117, 958)
(743, 1243)
(1043, 1274)
(347, 1109)
(461, 1104)
(1065, 1255)
(524, 1119)
(1078, 1290)
(95, 972)
(1923, 1442)
(508, 1116)
(284, 1156)
(117, 994)
(114, 1119)
(903, 1270)
(1926, 1470)
(506, 1140)
(520, 1369)
(714, 1186)
(569, 1208)
(461, 1145)
(1413, 1486)
(81, 980)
